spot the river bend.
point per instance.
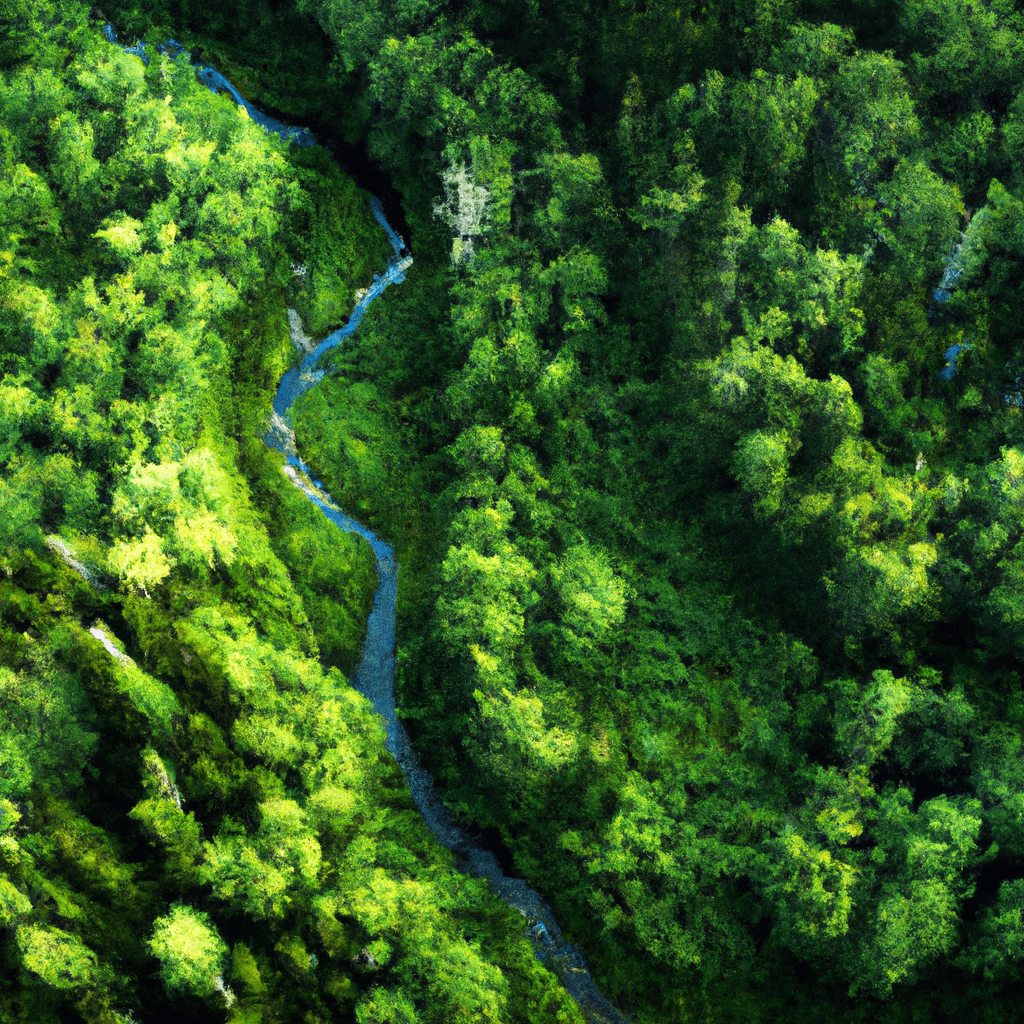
(374, 677)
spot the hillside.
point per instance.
(697, 431)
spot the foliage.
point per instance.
(182, 762)
(190, 951)
(710, 587)
(720, 594)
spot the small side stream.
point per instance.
(375, 674)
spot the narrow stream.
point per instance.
(375, 675)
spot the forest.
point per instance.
(697, 429)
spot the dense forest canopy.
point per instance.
(698, 431)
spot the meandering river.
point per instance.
(375, 675)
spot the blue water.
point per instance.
(375, 675)
(952, 271)
(216, 83)
(946, 373)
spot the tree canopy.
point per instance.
(696, 428)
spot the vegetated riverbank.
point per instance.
(375, 674)
(722, 629)
(279, 59)
(198, 817)
(375, 679)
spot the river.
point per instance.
(374, 677)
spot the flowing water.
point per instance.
(375, 675)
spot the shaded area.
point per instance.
(375, 674)
(375, 677)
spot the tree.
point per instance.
(191, 952)
(164, 818)
(922, 214)
(996, 947)
(48, 721)
(593, 596)
(385, 1006)
(866, 719)
(481, 614)
(963, 53)
(873, 117)
(774, 117)
(761, 466)
(358, 30)
(57, 958)
(813, 889)
(271, 871)
(914, 920)
(578, 210)
(14, 904)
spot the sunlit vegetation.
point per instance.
(197, 818)
(711, 591)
